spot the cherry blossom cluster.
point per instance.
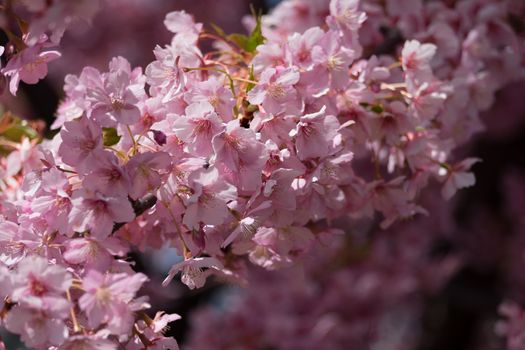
(34, 29)
(244, 154)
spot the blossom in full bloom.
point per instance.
(275, 91)
(80, 140)
(415, 58)
(28, 66)
(98, 213)
(41, 286)
(207, 202)
(108, 299)
(193, 274)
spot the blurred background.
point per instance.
(470, 252)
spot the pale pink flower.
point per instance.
(161, 321)
(108, 299)
(239, 156)
(193, 274)
(29, 66)
(315, 135)
(415, 58)
(12, 248)
(92, 253)
(81, 138)
(274, 247)
(146, 171)
(208, 200)
(114, 96)
(458, 176)
(278, 189)
(301, 45)
(41, 286)
(181, 22)
(25, 158)
(107, 176)
(393, 201)
(215, 93)
(37, 329)
(165, 73)
(54, 204)
(198, 128)
(427, 101)
(345, 15)
(275, 91)
(332, 60)
(270, 54)
(97, 213)
(270, 127)
(252, 218)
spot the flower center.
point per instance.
(103, 295)
(117, 103)
(37, 288)
(276, 91)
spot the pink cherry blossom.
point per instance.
(208, 200)
(198, 128)
(239, 156)
(165, 73)
(107, 176)
(107, 299)
(146, 171)
(315, 135)
(80, 139)
(114, 97)
(181, 22)
(416, 58)
(28, 66)
(216, 94)
(41, 286)
(346, 15)
(98, 213)
(192, 274)
(458, 177)
(275, 91)
(92, 253)
(37, 329)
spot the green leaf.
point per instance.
(240, 39)
(256, 37)
(16, 132)
(252, 78)
(250, 43)
(377, 109)
(110, 136)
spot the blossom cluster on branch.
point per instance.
(34, 30)
(247, 154)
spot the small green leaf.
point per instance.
(377, 109)
(256, 37)
(16, 132)
(250, 43)
(110, 136)
(252, 78)
(240, 39)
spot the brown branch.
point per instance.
(139, 207)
